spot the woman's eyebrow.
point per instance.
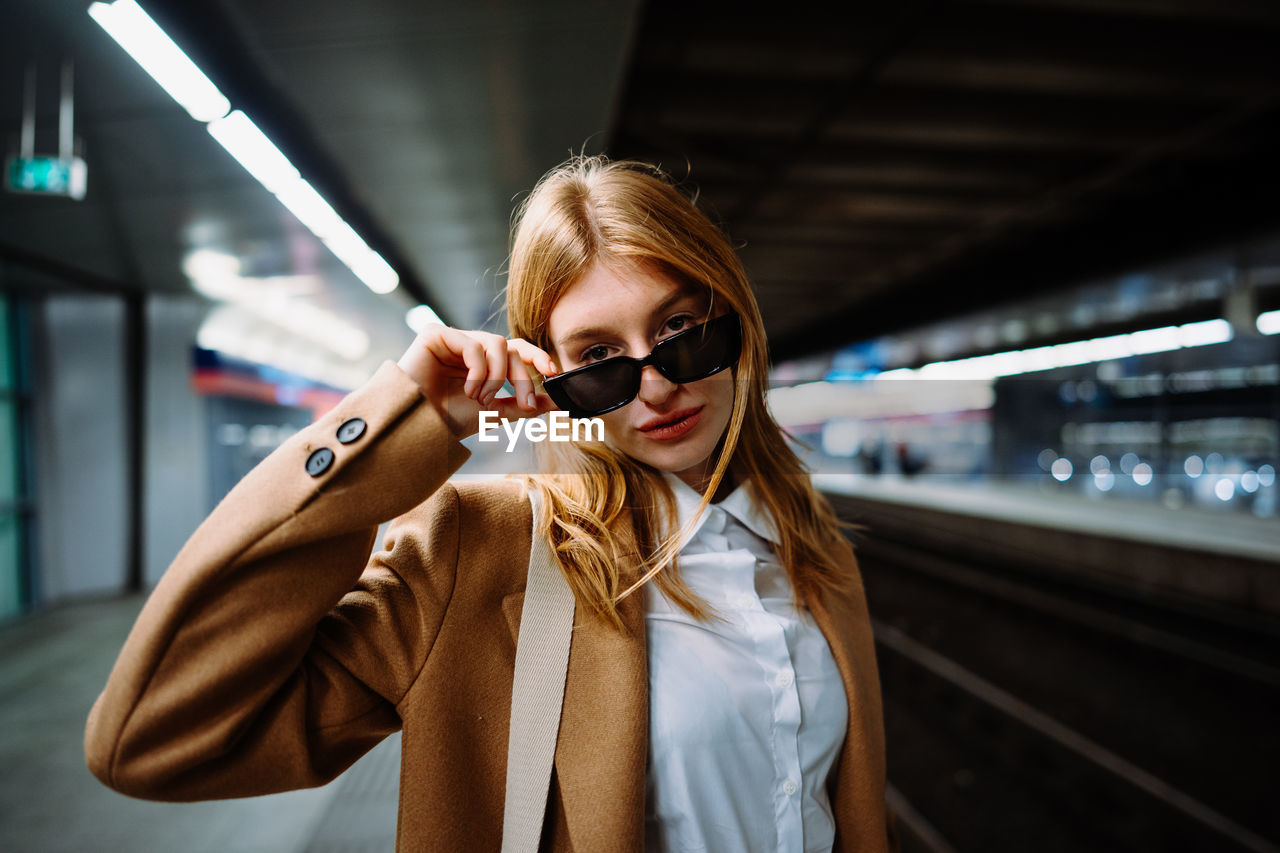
(584, 335)
(595, 332)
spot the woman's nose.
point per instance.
(654, 387)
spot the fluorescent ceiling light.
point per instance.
(310, 208)
(1155, 340)
(137, 33)
(1082, 352)
(376, 273)
(1208, 332)
(368, 265)
(238, 333)
(1076, 352)
(309, 323)
(250, 146)
(419, 317)
(1037, 358)
(1269, 322)
(1105, 349)
(349, 246)
(215, 275)
(823, 401)
(261, 158)
(143, 39)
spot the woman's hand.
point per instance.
(461, 372)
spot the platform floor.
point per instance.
(52, 666)
(1041, 505)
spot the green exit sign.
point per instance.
(47, 176)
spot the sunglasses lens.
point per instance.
(686, 357)
(597, 389)
(701, 352)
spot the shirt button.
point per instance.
(789, 787)
(783, 679)
(350, 430)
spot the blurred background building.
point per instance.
(1019, 263)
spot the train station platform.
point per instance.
(52, 665)
(1200, 557)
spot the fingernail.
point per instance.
(528, 399)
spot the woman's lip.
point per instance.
(674, 430)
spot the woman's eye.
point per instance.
(595, 353)
(679, 323)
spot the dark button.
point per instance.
(319, 462)
(350, 430)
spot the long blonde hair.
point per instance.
(599, 505)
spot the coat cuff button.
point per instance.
(351, 429)
(319, 461)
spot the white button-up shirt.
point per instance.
(746, 719)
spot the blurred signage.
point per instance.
(216, 374)
(62, 176)
(857, 361)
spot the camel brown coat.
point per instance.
(275, 651)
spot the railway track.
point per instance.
(1025, 712)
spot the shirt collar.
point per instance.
(738, 504)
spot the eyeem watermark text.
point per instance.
(558, 427)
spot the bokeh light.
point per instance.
(1224, 489)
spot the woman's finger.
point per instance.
(521, 381)
(534, 357)
(495, 351)
(508, 408)
(452, 347)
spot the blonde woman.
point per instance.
(722, 691)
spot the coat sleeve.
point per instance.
(275, 650)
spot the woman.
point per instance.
(707, 712)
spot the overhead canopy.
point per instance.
(882, 165)
(885, 165)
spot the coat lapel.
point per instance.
(856, 791)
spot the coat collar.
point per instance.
(602, 748)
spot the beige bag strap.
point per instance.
(537, 695)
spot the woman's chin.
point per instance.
(675, 458)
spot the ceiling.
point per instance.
(887, 165)
(881, 165)
(420, 122)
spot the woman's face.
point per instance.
(626, 311)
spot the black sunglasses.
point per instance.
(686, 356)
